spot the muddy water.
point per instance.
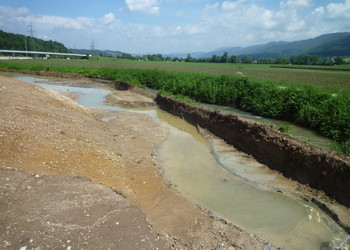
(284, 221)
(203, 173)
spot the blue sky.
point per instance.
(168, 26)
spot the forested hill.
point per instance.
(10, 41)
(335, 44)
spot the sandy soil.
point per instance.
(46, 140)
(128, 99)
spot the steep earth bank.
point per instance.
(320, 169)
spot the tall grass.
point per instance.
(335, 78)
(326, 110)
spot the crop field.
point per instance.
(330, 76)
(313, 98)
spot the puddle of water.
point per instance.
(188, 163)
(237, 163)
(174, 122)
(110, 118)
(89, 97)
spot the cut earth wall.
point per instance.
(305, 163)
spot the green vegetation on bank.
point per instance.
(333, 78)
(326, 110)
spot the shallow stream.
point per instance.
(221, 180)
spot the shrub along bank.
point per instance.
(326, 110)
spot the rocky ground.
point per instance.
(71, 179)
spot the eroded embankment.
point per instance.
(320, 169)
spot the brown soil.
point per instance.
(49, 212)
(128, 99)
(46, 139)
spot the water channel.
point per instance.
(222, 181)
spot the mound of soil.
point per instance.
(127, 99)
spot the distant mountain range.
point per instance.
(96, 52)
(335, 44)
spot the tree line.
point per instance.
(225, 58)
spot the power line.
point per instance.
(31, 35)
(31, 30)
(92, 45)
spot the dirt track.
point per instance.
(45, 134)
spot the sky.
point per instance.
(173, 26)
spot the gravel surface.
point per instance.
(47, 140)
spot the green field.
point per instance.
(314, 98)
(311, 75)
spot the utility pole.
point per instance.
(92, 46)
(31, 34)
(25, 44)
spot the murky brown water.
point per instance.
(284, 221)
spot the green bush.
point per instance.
(314, 107)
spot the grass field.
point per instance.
(313, 75)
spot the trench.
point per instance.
(294, 130)
(226, 183)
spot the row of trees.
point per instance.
(298, 59)
(225, 58)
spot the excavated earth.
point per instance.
(70, 180)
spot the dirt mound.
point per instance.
(127, 99)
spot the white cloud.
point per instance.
(145, 6)
(61, 22)
(209, 6)
(221, 23)
(246, 22)
(13, 12)
(229, 5)
(108, 18)
(295, 3)
(318, 11)
(339, 10)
